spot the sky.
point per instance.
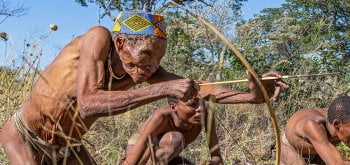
(72, 20)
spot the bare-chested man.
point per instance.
(178, 124)
(90, 78)
(311, 134)
(172, 128)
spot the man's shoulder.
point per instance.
(314, 129)
(307, 121)
(309, 114)
(163, 111)
(97, 40)
(308, 117)
(98, 32)
(99, 29)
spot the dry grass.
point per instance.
(245, 131)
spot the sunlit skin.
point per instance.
(309, 132)
(174, 127)
(142, 57)
(77, 88)
(77, 82)
(183, 120)
(189, 112)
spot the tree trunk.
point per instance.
(221, 63)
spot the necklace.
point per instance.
(110, 68)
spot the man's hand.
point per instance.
(183, 89)
(273, 87)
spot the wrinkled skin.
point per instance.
(309, 132)
(76, 89)
(141, 58)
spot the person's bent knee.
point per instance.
(171, 144)
(172, 140)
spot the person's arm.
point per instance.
(152, 127)
(222, 95)
(214, 147)
(226, 96)
(96, 102)
(319, 139)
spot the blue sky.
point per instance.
(72, 20)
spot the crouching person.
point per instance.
(172, 128)
(312, 134)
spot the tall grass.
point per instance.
(245, 131)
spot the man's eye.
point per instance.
(146, 53)
(194, 104)
(131, 65)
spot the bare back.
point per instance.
(52, 107)
(295, 129)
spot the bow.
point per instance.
(251, 70)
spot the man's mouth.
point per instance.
(146, 74)
(197, 118)
(140, 79)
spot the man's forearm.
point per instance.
(106, 103)
(234, 97)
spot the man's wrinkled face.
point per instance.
(344, 132)
(191, 111)
(141, 58)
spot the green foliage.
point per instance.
(345, 149)
(299, 31)
(152, 5)
(300, 37)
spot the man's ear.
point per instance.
(336, 124)
(119, 42)
(173, 106)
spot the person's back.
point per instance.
(310, 135)
(294, 127)
(53, 97)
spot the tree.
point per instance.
(317, 31)
(148, 5)
(7, 10)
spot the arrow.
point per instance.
(268, 78)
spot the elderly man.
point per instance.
(89, 79)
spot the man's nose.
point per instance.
(200, 108)
(152, 68)
(148, 69)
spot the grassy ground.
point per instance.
(245, 131)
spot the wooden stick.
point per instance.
(209, 121)
(151, 148)
(267, 78)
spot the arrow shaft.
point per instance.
(267, 78)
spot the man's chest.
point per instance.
(118, 85)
